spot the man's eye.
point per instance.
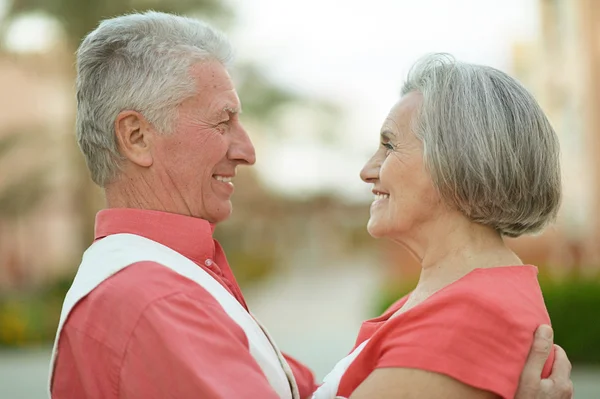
(221, 127)
(388, 146)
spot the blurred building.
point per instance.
(563, 71)
(36, 120)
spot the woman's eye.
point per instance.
(388, 146)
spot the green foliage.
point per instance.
(574, 307)
(250, 266)
(30, 318)
(389, 295)
(249, 261)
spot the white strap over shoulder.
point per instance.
(114, 253)
(331, 382)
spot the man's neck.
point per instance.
(135, 192)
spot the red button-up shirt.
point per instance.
(148, 332)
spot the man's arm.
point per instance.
(183, 347)
(558, 385)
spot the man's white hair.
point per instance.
(137, 62)
(490, 149)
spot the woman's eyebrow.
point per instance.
(387, 134)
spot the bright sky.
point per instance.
(354, 53)
(357, 53)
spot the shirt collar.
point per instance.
(191, 237)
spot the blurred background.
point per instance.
(316, 79)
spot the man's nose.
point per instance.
(241, 148)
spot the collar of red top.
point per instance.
(191, 237)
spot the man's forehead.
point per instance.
(211, 73)
(215, 87)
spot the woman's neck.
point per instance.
(450, 249)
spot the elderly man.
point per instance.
(155, 311)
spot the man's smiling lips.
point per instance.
(224, 179)
(224, 183)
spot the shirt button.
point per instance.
(208, 262)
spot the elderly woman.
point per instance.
(466, 157)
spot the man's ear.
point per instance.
(134, 137)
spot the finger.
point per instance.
(561, 370)
(559, 384)
(540, 350)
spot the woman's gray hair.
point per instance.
(488, 146)
(137, 62)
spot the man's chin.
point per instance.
(220, 213)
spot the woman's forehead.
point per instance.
(400, 116)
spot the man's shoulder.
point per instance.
(142, 283)
(111, 311)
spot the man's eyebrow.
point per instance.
(226, 112)
(232, 110)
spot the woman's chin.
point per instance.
(375, 229)
(380, 229)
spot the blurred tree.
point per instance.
(260, 97)
(20, 193)
(77, 18)
(19, 196)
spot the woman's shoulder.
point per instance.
(501, 296)
(477, 330)
(512, 291)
